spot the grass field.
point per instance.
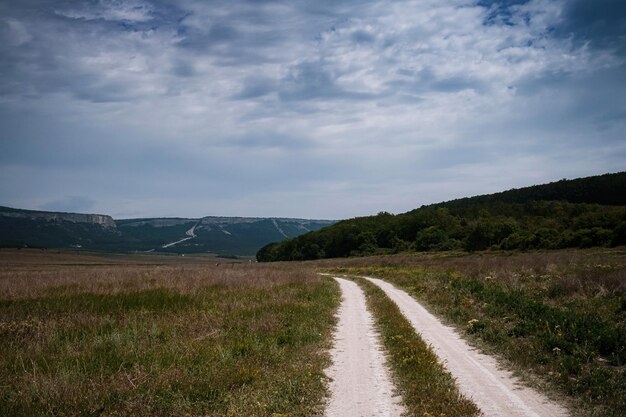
(559, 318)
(112, 335)
(90, 334)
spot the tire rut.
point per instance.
(495, 391)
(360, 382)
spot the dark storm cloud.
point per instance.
(598, 99)
(500, 10)
(306, 81)
(426, 80)
(255, 87)
(183, 68)
(215, 35)
(602, 23)
(312, 80)
(500, 4)
(43, 43)
(361, 36)
(235, 33)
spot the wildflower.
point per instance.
(472, 324)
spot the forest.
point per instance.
(581, 213)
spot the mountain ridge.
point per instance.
(102, 219)
(222, 235)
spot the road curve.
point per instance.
(360, 384)
(495, 391)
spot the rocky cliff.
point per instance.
(211, 234)
(104, 221)
(159, 222)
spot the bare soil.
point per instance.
(360, 381)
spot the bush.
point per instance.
(430, 238)
(587, 238)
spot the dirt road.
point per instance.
(360, 383)
(494, 390)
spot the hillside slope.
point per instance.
(52, 229)
(218, 235)
(569, 213)
(607, 189)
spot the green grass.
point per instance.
(560, 316)
(164, 341)
(426, 387)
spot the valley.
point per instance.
(221, 236)
(502, 304)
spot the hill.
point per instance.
(583, 212)
(607, 189)
(226, 236)
(219, 235)
(32, 228)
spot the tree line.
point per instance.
(513, 220)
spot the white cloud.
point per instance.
(384, 106)
(112, 10)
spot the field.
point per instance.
(557, 318)
(106, 334)
(111, 335)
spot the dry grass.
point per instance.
(108, 335)
(586, 272)
(31, 274)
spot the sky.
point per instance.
(294, 108)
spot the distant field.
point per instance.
(557, 317)
(89, 334)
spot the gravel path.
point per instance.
(495, 391)
(360, 383)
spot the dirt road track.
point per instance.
(495, 391)
(360, 383)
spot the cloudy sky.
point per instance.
(297, 108)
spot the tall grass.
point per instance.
(187, 338)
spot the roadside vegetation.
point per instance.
(426, 387)
(557, 317)
(90, 335)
